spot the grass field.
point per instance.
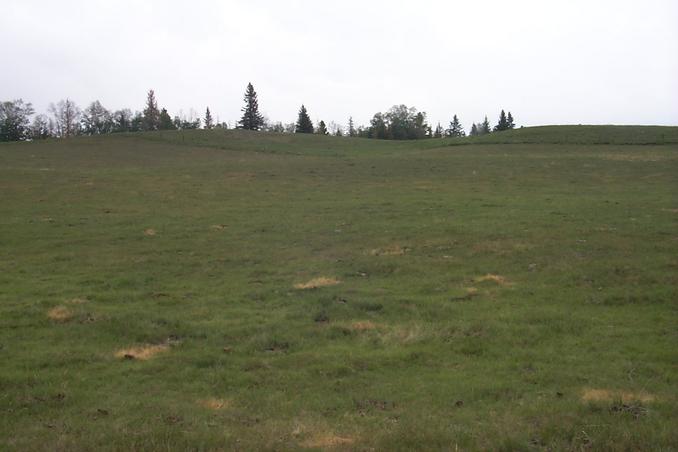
(231, 290)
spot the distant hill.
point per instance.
(580, 134)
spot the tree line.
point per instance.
(18, 121)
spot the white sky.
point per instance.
(547, 61)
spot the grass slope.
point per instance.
(475, 297)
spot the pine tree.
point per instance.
(304, 123)
(510, 123)
(209, 123)
(485, 127)
(474, 130)
(151, 113)
(165, 121)
(351, 128)
(322, 128)
(439, 131)
(251, 118)
(456, 129)
(503, 123)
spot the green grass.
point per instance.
(411, 350)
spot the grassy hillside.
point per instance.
(581, 135)
(233, 290)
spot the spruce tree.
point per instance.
(456, 129)
(322, 128)
(251, 118)
(474, 130)
(503, 122)
(165, 121)
(209, 123)
(510, 123)
(304, 123)
(485, 127)
(151, 113)
(351, 128)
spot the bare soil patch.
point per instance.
(363, 325)
(149, 232)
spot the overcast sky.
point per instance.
(547, 61)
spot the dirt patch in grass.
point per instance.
(60, 314)
(149, 232)
(607, 395)
(393, 250)
(141, 352)
(327, 441)
(317, 282)
(214, 404)
(218, 227)
(497, 279)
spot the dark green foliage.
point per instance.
(251, 118)
(399, 123)
(209, 122)
(509, 121)
(151, 113)
(503, 123)
(15, 120)
(485, 127)
(322, 128)
(304, 123)
(455, 129)
(165, 122)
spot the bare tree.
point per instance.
(66, 115)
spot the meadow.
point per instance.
(233, 290)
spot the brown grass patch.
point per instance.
(670, 210)
(606, 395)
(393, 250)
(142, 352)
(363, 325)
(497, 279)
(60, 314)
(317, 282)
(218, 227)
(214, 404)
(149, 232)
(327, 440)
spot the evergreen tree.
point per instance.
(509, 120)
(165, 121)
(474, 130)
(251, 118)
(151, 113)
(304, 123)
(485, 127)
(322, 128)
(209, 123)
(503, 123)
(456, 129)
(439, 131)
(351, 128)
